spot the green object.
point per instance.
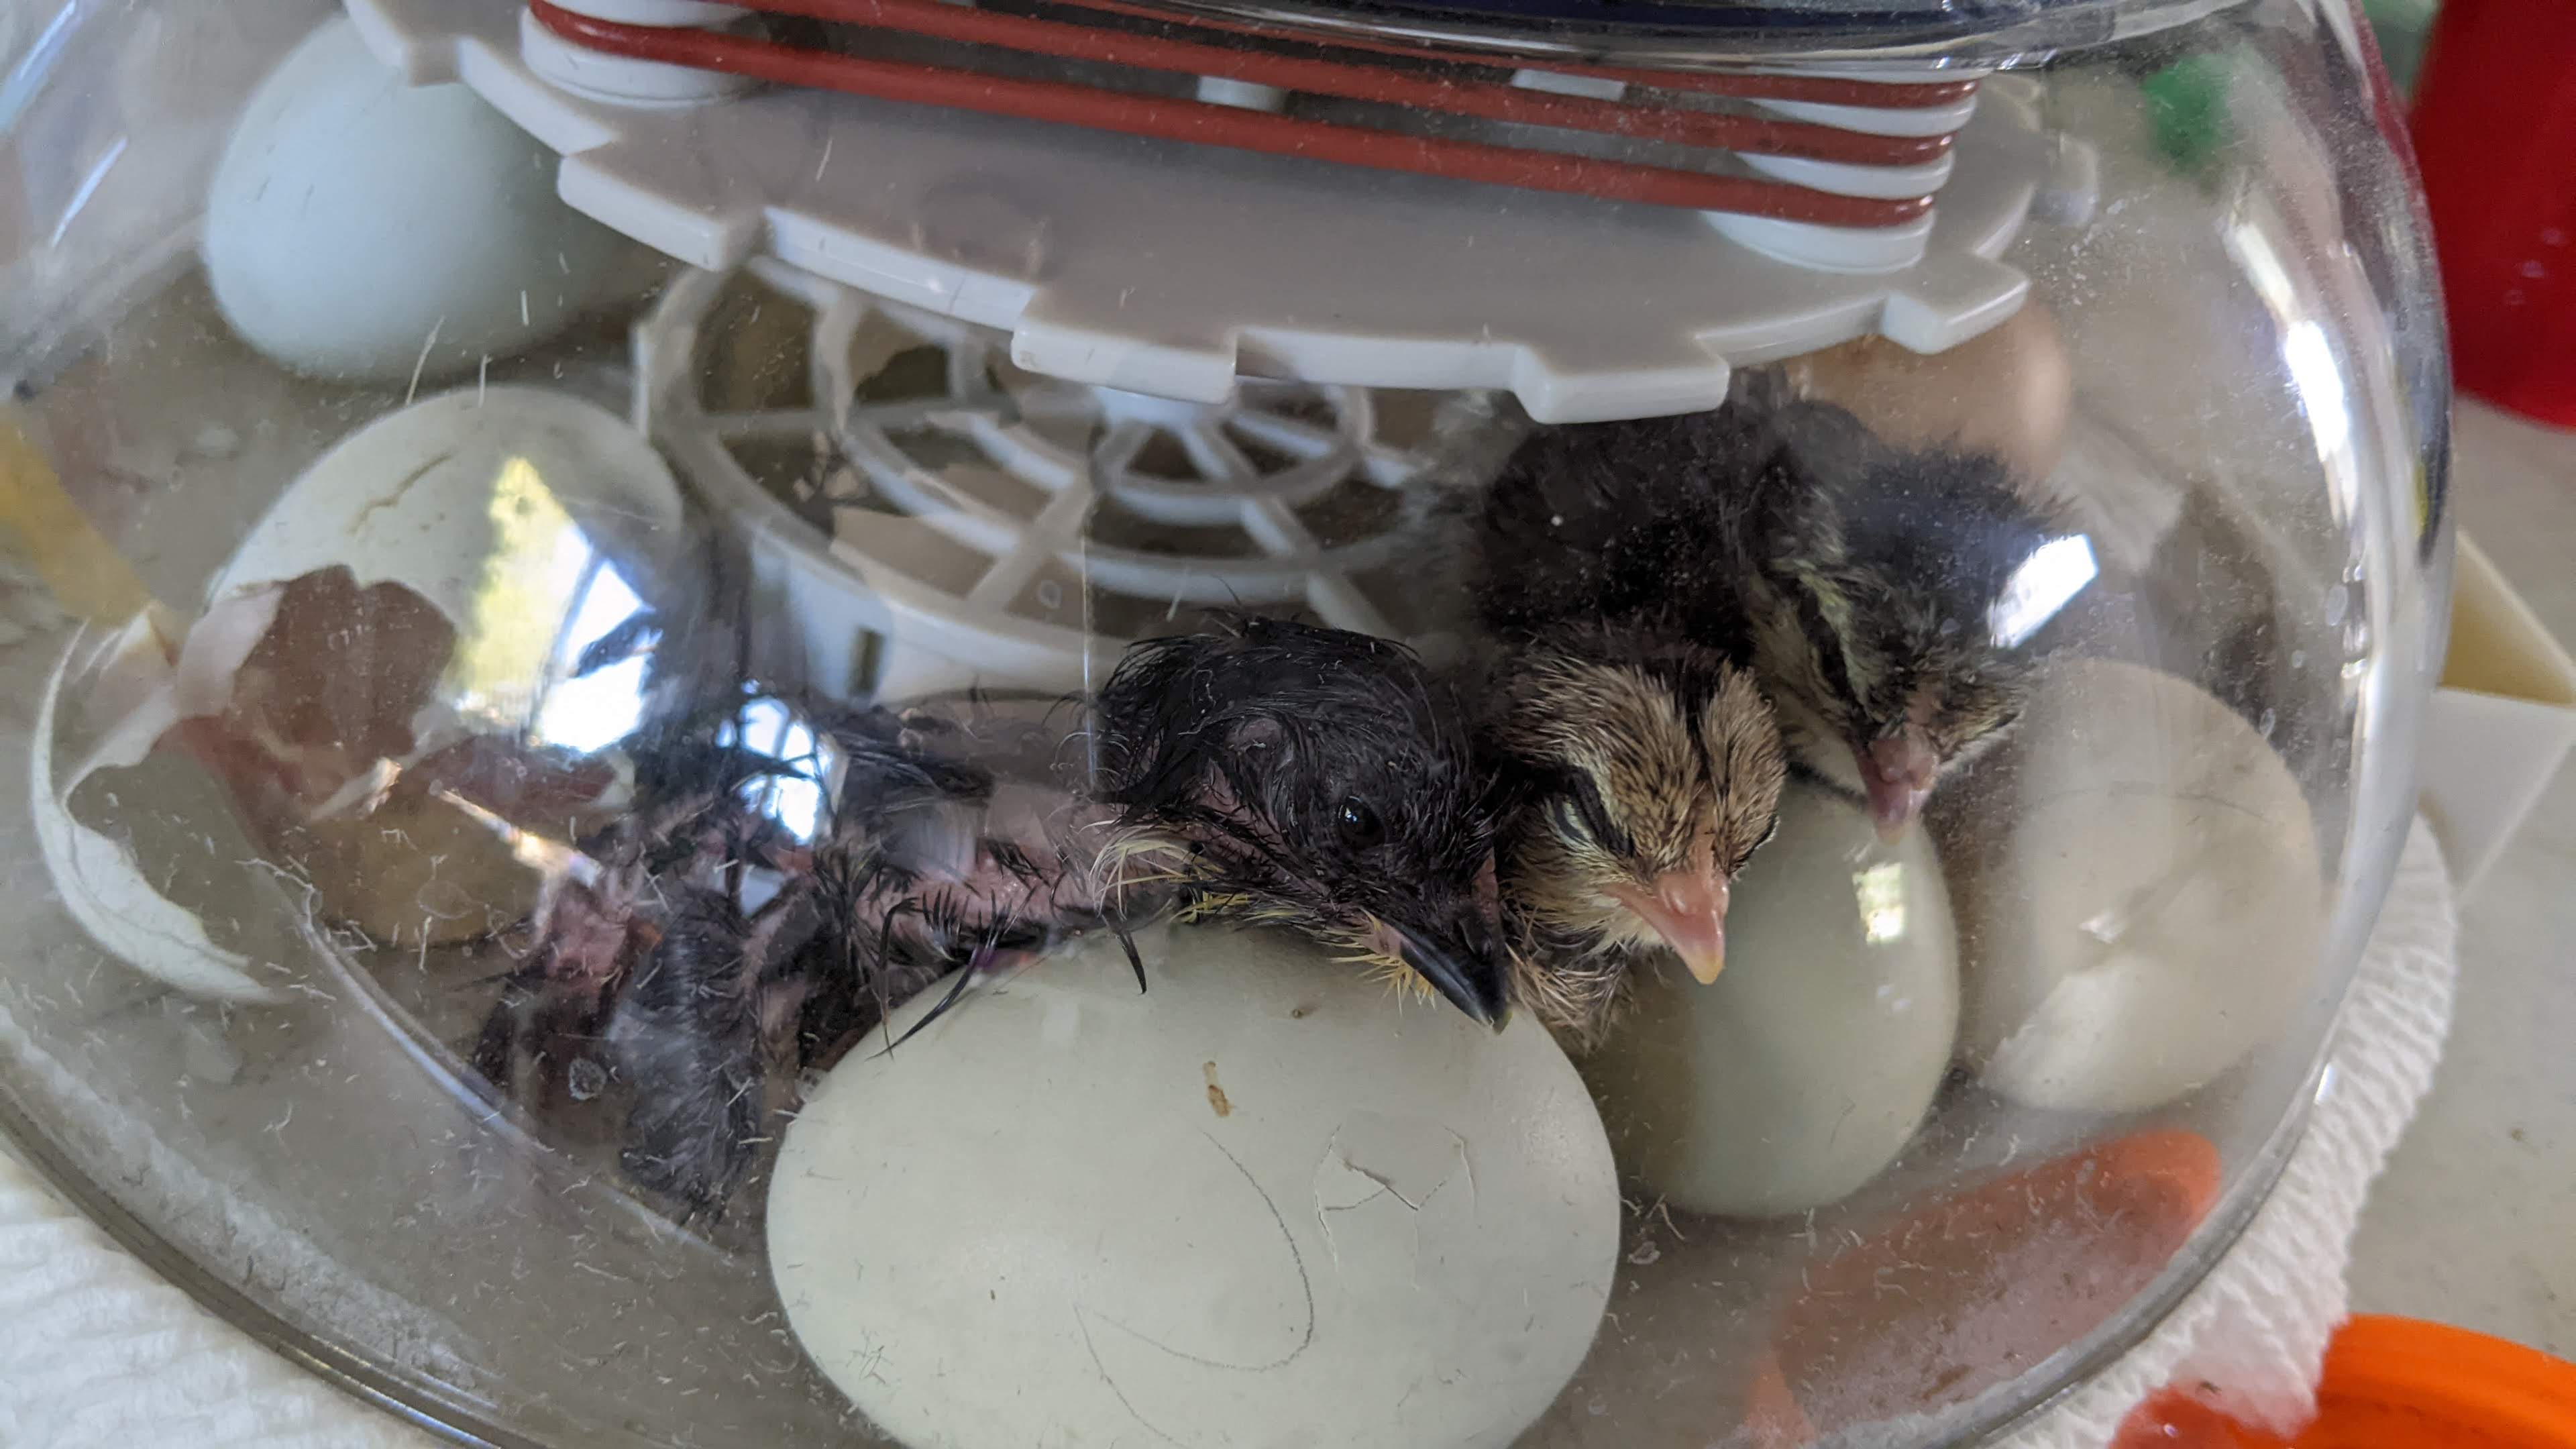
(2400, 26)
(2187, 109)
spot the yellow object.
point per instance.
(85, 573)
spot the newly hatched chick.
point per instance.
(652, 916)
(1268, 771)
(1885, 597)
(1320, 778)
(1639, 773)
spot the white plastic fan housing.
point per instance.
(1174, 270)
(930, 516)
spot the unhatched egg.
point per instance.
(1263, 1203)
(361, 227)
(1807, 1065)
(2146, 903)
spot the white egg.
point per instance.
(1263, 1203)
(1806, 1067)
(353, 216)
(2146, 906)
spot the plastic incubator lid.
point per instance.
(2397, 1382)
(1807, 209)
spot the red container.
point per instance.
(2495, 132)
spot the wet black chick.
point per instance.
(1637, 773)
(1316, 778)
(650, 924)
(1267, 771)
(1886, 598)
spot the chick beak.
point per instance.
(1463, 963)
(1898, 772)
(1688, 909)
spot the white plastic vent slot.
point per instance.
(932, 515)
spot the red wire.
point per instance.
(1227, 126)
(1485, 100)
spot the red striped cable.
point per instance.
(1227, 126)
(1485, 100)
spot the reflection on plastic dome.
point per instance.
(2045, 583)
(546, 604)
(596, 695)
(1881, 889)
(1904, 816)
(792, 795)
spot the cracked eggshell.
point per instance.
(358, 227)
(480, 489)
(2144, 894)
(1808, 1064)
(1262, 1203)
(491, 507)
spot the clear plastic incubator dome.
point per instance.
(881, 722)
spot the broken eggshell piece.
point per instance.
(427, 588)
(1261, 1198)
(523, 518)
(105, 890)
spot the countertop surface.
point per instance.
(2474, 1222)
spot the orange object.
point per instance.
(1772, 1418)
(2396, 1383)
(1949, 1300)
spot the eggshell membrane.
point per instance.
(2150, 906)
(1809, 1063)
(1264, 1203)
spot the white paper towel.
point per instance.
(95, 1351)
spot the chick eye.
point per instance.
(1359, 824)
(1587, 814)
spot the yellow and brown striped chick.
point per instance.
(1890, 600)
(1637, 774)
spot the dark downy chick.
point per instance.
(704, 1030)
(1639, 774)
(1317, 778)
(605, 910)
(1273, 772)
(1885, 597)
(1262, 771)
